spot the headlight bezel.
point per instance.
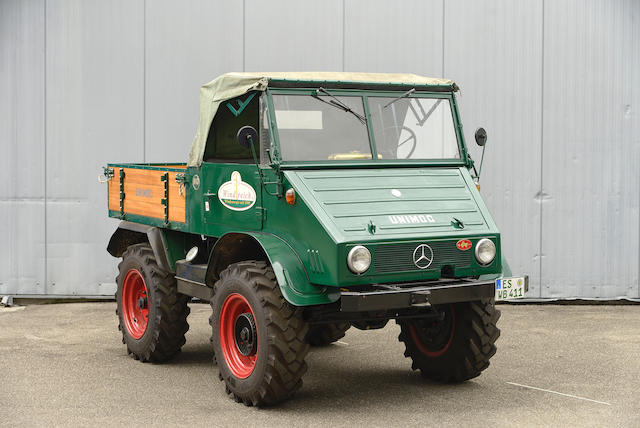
(350, 259)
(481, 243)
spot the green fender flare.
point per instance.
(291, 274)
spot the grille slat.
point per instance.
(398, 257)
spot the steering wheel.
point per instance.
(407, 141)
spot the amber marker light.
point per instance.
(290, 196)
(478, 186)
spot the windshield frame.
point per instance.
(374, 161)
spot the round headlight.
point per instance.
(485, 251)
(359, 259)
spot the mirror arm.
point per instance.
(481, 162)
(253, 152)
(255, 160)
(263, 184)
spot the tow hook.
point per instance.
(420, 299)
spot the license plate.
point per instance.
(511, 288)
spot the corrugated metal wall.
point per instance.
(556, 84)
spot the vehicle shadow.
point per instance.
(195, 354)
(340, 387)
(329, 380)
(349, 385)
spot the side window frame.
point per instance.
(234, 113)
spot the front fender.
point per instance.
(291, 274)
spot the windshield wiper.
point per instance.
(406, 94)
(337, 103)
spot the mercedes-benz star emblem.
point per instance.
(422, 256)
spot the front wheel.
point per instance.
(457, 345)
(258, 337)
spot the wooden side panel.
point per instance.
(177, 201)
(144, 191)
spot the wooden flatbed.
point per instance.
(153, 191)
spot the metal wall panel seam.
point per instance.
(44, 115)
(244, 33)
(443, 34)
(344, 32)
(144, 80)
(635, 71)
(541, 194)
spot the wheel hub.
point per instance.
(434, 336)
(245, 334)
(134, 301)
(238, 335)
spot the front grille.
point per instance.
(398, 257)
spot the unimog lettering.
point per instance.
(408, 219)
(280, 220)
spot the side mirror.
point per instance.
(481, 137)
(247, 136)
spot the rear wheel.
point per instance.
(455, 347)
(258, 337)
(326, 334)
(152, 314)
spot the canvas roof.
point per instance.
(231, 85)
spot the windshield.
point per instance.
(413, 128)
(324, 126)
(312, 128)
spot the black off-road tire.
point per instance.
(468, 351)
(280, 329)
(168, 309)
(326, 334)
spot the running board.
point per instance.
(191, 280)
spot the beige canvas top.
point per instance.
(233, 85)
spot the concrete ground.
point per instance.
(65, 364)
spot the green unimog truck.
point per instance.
(312, 203)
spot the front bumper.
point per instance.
(416, 295)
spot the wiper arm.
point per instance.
(337, 103)
(406, 94)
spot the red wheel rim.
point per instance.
(434, 352)
(135, 306)
(235, 307)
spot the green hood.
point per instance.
(395, 203)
